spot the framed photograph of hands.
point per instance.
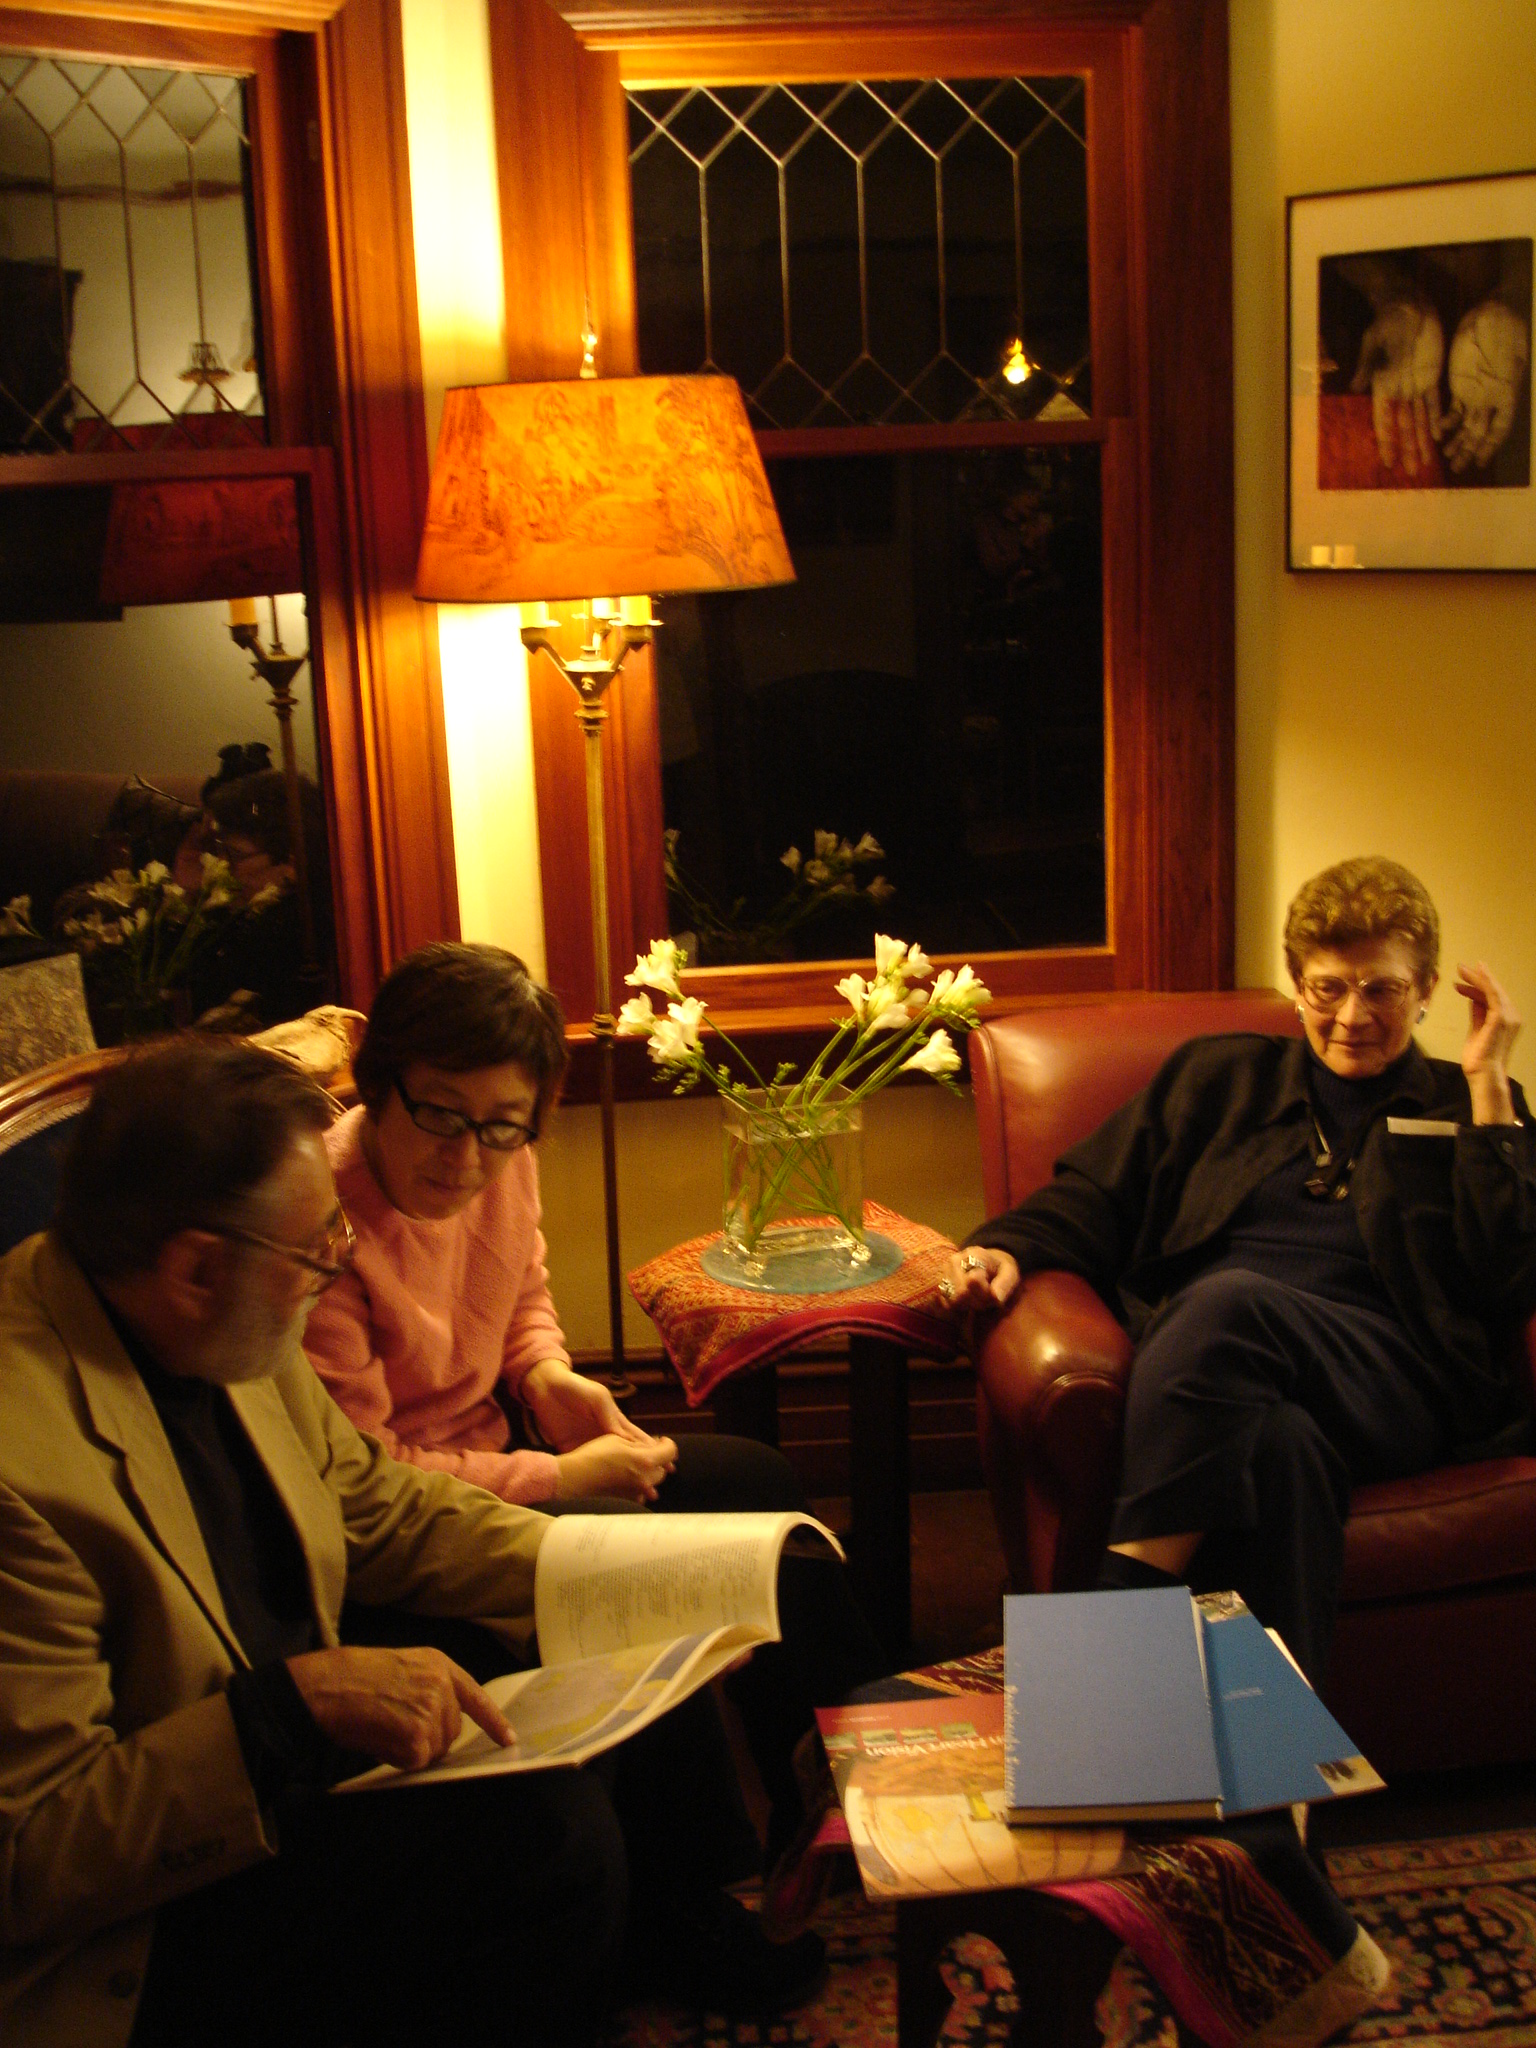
(1409, 387)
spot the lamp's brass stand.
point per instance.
(608, 646)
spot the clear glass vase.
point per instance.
(794, 1189)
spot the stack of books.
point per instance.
(1120, 1711)
(1141, 1708)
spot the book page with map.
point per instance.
(634, 1613)
(921, 1785)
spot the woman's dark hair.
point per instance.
(459, 1007)
(1366, 898)
(177, 1138)
(255, 807)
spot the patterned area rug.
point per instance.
(1457, 1918)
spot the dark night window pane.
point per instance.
(934, 678)
(746, 291)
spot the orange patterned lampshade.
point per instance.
(602, 485)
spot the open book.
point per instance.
(634, 1613)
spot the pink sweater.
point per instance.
(412, 1342)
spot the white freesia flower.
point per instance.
(959, 994)
(880, 890)
(937, 1057)
(854, 990)
(659, 968)
(889, 954)
(791, 860)
(817, 872)
(868, 848)
(883, 999)
(690, 1015)
(826, 845)
(155, 871)
(636, 1018)
(676, 1036)
(919, 966)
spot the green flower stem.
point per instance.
(804, 1155)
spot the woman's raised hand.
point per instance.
(1491, 1034)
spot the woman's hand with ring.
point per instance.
(979, 1278)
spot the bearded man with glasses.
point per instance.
(1322, 1247)
(183, 1510)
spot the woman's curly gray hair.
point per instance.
(1366, 898)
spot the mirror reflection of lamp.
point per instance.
(276, 667)
(543, 493)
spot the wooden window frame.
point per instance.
(1156, 75)
(336, 276)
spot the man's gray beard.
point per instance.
(251, 1339)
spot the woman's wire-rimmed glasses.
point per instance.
(497, 1133)
(330, 1262)
(1383, 995)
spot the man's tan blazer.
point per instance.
(121, 1778)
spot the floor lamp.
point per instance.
(580, 501)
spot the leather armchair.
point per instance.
(1431, 1662)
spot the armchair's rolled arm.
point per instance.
(1050, 1395)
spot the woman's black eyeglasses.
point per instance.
(498, 1134)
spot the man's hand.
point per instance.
(1400, 360)
(979, 1278)
(1491, 1035)
(571, 1409)
(616, 1468)
(404, 1707)
(1489, 352)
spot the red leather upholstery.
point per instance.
(1432, 1656)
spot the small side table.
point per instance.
(727, 1341)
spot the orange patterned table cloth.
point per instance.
(711, 1329)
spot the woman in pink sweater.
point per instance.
(446, 1311)
(445, 1319)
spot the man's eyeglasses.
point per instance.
(330, 1262)
(1382, 995)
(499, 1134)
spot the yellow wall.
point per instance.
(1375, 713)
(462, 310)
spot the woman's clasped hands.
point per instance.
(597, 1448)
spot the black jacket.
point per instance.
(1449, 1223)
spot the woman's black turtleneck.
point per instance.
(1286, 1234)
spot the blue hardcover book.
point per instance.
(1276, 1743)
(1106, 1714)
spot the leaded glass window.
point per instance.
(127, 303)
(878, 258)
(866, 252)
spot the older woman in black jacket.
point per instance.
(1319, 1245)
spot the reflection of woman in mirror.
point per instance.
(245, 823)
